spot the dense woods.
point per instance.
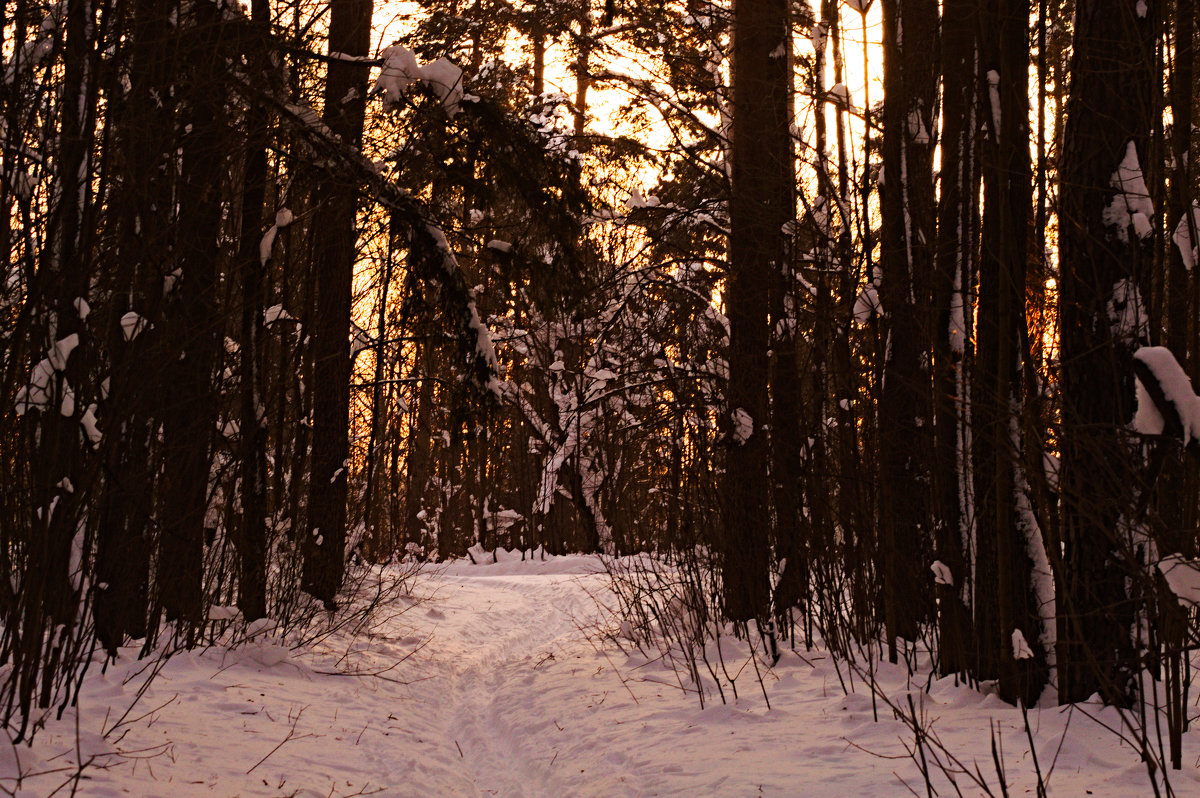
(897, 364)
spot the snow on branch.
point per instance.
(1131, 205)
(1166, 402)
(1185, 236)
(438, 260)
(1183, 578)
(401, 71)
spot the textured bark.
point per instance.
(194, 332)
(792, 531)
(334, 255)
(1004, 603)
(133, 405)
(957, 242)
(759, 207)
(910, 31)
(1112, 79)
(252, 535)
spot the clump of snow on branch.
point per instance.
(276, 313)
(839, 95)
(1131, 205)
(942, 574)
(282, 219)
(401, 71)
(484, 347)
(1020, 646)
(868, 305)
(1183, 577)
(39, 392)
(1127, 314)
(993, 79)
(743, 425)
(1176, 388)
(1188, 249)
(133, 324)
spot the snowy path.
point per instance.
(501, 693)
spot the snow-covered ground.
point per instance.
(506, 686)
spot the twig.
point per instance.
(291, 735)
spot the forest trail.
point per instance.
(498, 681)
(495, 637)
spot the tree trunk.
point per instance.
(910, 27)
(759, 206)
(334, 256)
(1108, 119)
(957, 240)
(194, 330)
(252, 537)
(1004, 604)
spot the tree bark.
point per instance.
(759, 206)
(910, 28)
(1109, 109)
(334, 255)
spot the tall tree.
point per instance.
(1005, 607)
(252, 536)
(759, 206)
(335, 246)
(907, 240)
(958, 216)
(193, 325)
(1103, 239)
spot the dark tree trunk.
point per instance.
(910, 32)
(133, 405)
(193, 328)
(1004, 604)
(1109, 111)
(759, 206)
(957, 241)
(334, 254)
(252, 536)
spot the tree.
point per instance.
(1005, 606)
(760, 204)
(336, 203)
(906, 244)
(1104, 216)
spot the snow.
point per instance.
(993, 79)
(1131, 205)
(839, 94)
(401, 71)
(636, 200)
(818, 36)
(1182, 237)
(511, 679)
(133, 324)
(916, 127)
(868, 305)
(1183, 577)
(276, 313)
(88, 420)
(942, 574)
(38, 392)
(743, 425)
(1127, 315)
(1177, 389)
(62, 350)
(1020, 646)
